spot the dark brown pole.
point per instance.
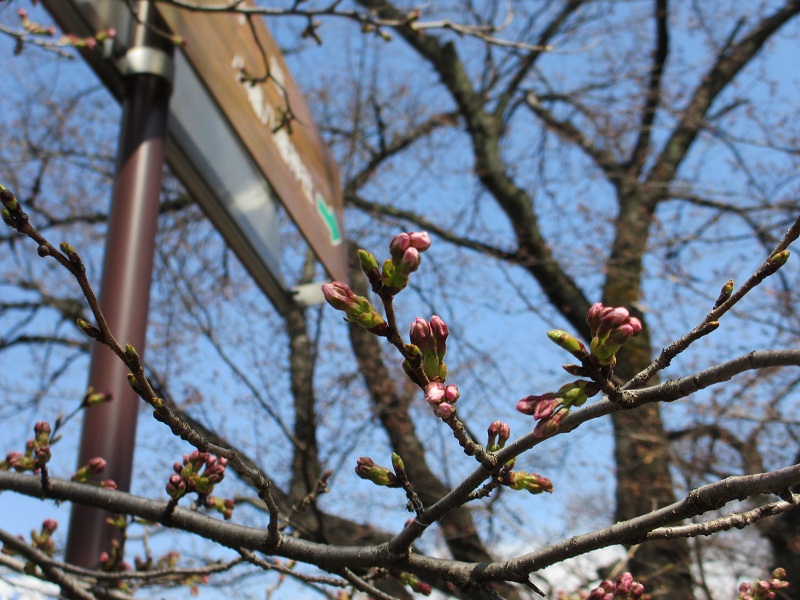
(109, 430)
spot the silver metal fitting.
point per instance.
(146, 60)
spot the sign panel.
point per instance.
(224, 138)
(243, 69)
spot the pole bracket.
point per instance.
(145, 60)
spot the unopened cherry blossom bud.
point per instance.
(340, 296)
(530, 482)
(549, 426)
(176, 486)
(398, 246)
(49, 526)
(367, 469)
(444, 410)
(440, 333)
(530, 405)
(422, 336)
(451, 393)
(410, 261)
(434, 392)
(108, 484)
(499, 433)
(419, 240)
(42, 430)
(96, 464)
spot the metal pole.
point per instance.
(109, 430)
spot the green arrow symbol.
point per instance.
(325, 211)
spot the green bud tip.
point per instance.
(8, 199)
(779, 258)
(130, 351)
(566, 341)
(397, 462)
(67, 248)
(89, 329)
(367, 260)
(728, 287)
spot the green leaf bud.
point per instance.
(89, 329)
(568, 342)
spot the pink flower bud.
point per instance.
(339, 296)
(42, 428)
(625, 583)
(97, 464)
(49, 525)
(528, 405)
(410, 261)
(399, 244)
(434, 392)
(108, 484)
(419, 240)
(549, 426)
(440, 333)
(176, 486)
(451, 393)
(421, 334)
(443, 410)
(367, 469)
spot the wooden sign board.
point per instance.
(243, 69)
(292, 159)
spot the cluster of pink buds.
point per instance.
(442, 398)
(223, 506)
(764, 590)
(499, 433)
(415, 584)
(43, 540)
(367, 469)
(199, 473)
(95, 466)
(624, 588)
(357, 309)
(32, 27)
(530, 482)
(405, 250)
(611, 328)
(113, 563)
(37, 452)
(427, 349)
(551, 409)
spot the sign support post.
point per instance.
(109, 429)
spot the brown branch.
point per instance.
(653, 95)
(732, 59)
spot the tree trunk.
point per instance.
(641, 449)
